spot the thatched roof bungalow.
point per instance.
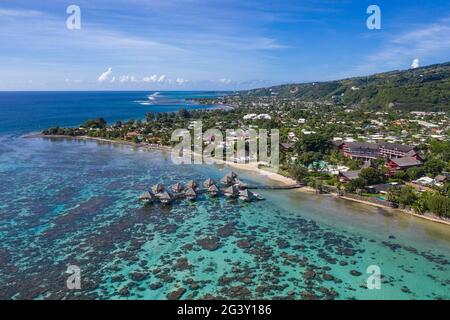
(177, 187)
(191, 194)
(231, 192)
(158, 188)
(227, 180)
(147, 196)
(165, 197)
(208, 183)
(232, 174)
(246, 195)
(240, 184)
(192, 184)
(213, 190)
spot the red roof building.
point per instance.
(399, 164)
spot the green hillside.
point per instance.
(426, 88)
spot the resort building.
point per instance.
(366, 151)
(399, 164)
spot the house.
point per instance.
(349, 175)
(250, 116)
(132, 134)
(425, 181)
(381, 188)
(440, 178)
(400, 164)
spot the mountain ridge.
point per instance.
(422, 89)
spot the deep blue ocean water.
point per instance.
(22, 112)
(66, 202)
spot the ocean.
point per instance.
(75, 203)
(21, 112)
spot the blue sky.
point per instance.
(212, 44)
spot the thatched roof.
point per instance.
(190, 193)
(247, 194)
(177, 187)
(192, 184)
(147, 195)
(165, 196)
(213, 188)
(227, 180)
(158, 188)
(233, 190)
(232, 174)
(240, 183)
(209, 182)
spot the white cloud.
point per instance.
(127, 78)
(225, 81)
(18, 13)
(415, 64)
(105, 75)
(181, 81)
(155, 78)
(77, 81)
(430, 42)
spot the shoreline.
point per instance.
(251, 167)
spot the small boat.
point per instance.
(158, 188)
(213, 191)
(165, 197)
(231, 192)
(192, 184)
(147, 197)
(208, 183)
(191, 194)
(177, 187)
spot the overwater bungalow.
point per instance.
(240, 184)
(165, 197)
(192, 184)
(227, 180)
(231, 192)
(246, 195)
(158, 188)
(177, 187)
(191, 194)
(232, 175)
(208, 183)
(147, 197)
(213, 190)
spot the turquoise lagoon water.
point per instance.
(66, 202)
